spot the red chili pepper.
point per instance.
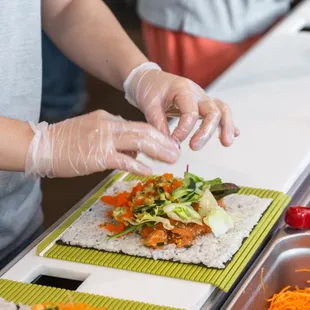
(298, 217)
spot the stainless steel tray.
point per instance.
(289, 251)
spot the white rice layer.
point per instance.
(9, 305)
(6, 305)
(208, 250)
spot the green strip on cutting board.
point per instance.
(222, 278)
(32, 294)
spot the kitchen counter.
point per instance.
(269, 91)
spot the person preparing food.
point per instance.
(88, 33)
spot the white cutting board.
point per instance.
(269, 91)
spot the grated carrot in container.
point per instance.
(291, 299)
(261, 279)
(302, 270)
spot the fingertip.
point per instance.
(174, 159)
(159, 120)
(176, 137)
(164, 129)
(177, 143)
(142, 170)
(145, 173)
(237, 132)
(180, 133)
(197, 145)
(127, 163)
(170, 156)
(185, 126)
(227, 140)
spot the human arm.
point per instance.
(83, 145)
(90, 35)
(15, 138)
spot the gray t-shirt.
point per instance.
(222, 20)
(20, 98)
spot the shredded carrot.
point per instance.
(168, 176)
(152, 193)
(149, 181)
(289, 299)
(110, 213)
(167, 188)
(176, 184)
(302, 270)
(110, 227)
(140, 201)
(117, 228)
(128, 214)
(63, 306)
(110, 200)
(101, 225)
(121, 199)
(138, 188)
(261, 279)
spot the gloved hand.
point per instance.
(155, 92)
(95, 142)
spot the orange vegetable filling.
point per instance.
(291, 299)
(115, 228)
(146, 194)
(139, 194)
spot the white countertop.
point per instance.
(269, 92)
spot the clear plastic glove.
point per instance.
(155, 92)
(95, 142)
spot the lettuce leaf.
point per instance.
(182, 213)
(213, 215)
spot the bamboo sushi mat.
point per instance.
(32, 294)
(222, 278)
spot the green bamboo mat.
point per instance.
(32, 294)
(222, 278)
